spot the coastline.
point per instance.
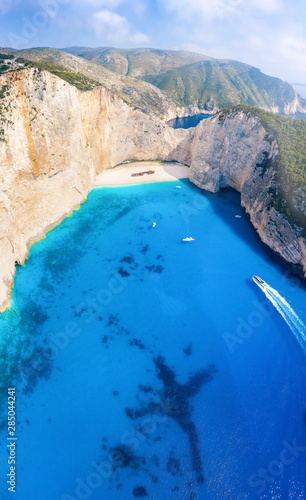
(122, 174)
(116, 176)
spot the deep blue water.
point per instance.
(193, 121)
(113, 317)
(187, 121)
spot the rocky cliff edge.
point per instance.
(54, 140)
(232, 151)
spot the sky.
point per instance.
(268, 34)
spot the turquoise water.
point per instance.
(150, 366)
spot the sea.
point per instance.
(139, 365)
(187, 121)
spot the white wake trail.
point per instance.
(295, 324)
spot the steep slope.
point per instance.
(137, 63)
(199, 82)
(289, 165)
(54, 140)
(142, 95)
(240, 149)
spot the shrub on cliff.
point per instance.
(290, 162)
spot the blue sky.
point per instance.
(268, 34)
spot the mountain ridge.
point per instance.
(59, 128)
(197, 81)
(174, 83)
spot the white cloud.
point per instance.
(139, 38)
(262, 33)
(218, 9)
(115, 28)
(109, 4)
(280, 52)
(137, 6)
(267, 5)
(207, 9)
(110, 23)
(6, 5)
(293, 50)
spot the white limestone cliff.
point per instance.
(55, 140)
(228, 152)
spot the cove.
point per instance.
(187, 121)
(148, 367)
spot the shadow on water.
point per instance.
(227, 204)
(20, 356)
(174, 402)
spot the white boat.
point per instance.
(257, 279)
(154, 224)
(178, 187)
(238, 216)
(188, 239)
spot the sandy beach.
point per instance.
(122, 174)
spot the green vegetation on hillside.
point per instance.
(78, 80)
(136, 93)
(136, 63)
(155, 81)
(194, 80)
(4, 68)
(290, 163)
(6, 56)
(208, 85)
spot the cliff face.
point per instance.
(193, 81)
(232, 152)
(54, 139)
(298, 105)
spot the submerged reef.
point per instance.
(175, 403)
(140, 492)
(124, 456)
(178, 395)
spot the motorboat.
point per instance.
(188, 239)
(257, 279)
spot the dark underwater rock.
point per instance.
(187, 351)
(123, 272)
(139, 492)
(128, 259)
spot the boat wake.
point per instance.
(295, 324)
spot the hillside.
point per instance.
(137, 63)
(59, 129)
(137, 93)
(262, 156)
(172, 83)
(196, 81)
(56, 135)
(289, 194)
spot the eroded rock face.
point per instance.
(229, 153)
(55, 140)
